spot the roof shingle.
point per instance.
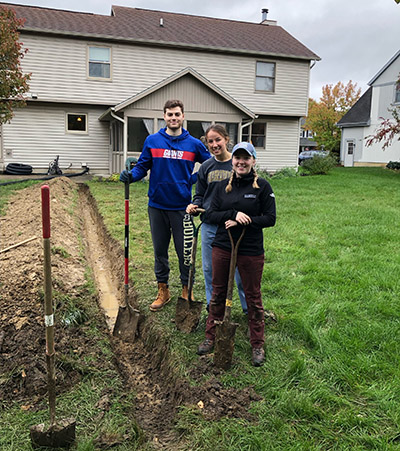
(143, 25)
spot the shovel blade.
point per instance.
(224, 344)
(126, 323)
(59, 435)
(187, 316)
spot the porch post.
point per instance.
(125, 141)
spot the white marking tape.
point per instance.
(49, 320)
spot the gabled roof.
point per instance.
(181, 74)
(188, 70)
(359, 114)
(177, 30)
(394, 57)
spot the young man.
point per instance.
(170, 154)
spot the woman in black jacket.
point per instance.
(244, 200)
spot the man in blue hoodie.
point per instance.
(170, 154)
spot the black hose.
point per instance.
(49, 177)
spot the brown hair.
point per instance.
(218, 128)
(173, 104)
(228, 188)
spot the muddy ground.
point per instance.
(78, 237)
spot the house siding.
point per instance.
(37, 134)
(59, 73)
(282, 138)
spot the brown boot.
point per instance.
(163, 297)
(185, 292)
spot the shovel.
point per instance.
(127, 319)
(61, 434)
(188, 311)
(225, 330)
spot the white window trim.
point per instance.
(272, 91)
(88, 61)
(76, 132)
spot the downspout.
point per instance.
(125, 135)
(244, 126)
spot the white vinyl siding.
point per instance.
(282, 145)
(59, 74)
(37, 134)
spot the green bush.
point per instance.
(319, 164)
(393, 165)
(285, 173)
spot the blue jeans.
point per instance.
(208, 232)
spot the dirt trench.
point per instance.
(143, 365)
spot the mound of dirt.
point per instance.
(22, 331)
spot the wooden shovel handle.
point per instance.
(232, 269)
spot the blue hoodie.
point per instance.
(171, 160)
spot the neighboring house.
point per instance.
(306, 138)
(99, 84)
(365, 116)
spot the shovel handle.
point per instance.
(126, 242)
(232, 269)
(48, 303)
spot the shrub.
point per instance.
(284, 173)
(319, 164)
(394, 165)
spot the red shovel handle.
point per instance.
(46, 211)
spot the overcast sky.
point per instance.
(353, 38)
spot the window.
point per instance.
(232, 129)
(76, 123)
(265, 76)
(100, 62)
(138, 130)
(197, 128)
(258, 134)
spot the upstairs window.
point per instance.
(265, 76)
(76, 123)
(100, 62)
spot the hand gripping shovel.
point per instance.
(225, 330)
(188, 311)
(127, 319)
(62, 433)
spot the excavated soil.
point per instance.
(147, 373)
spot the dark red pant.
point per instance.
(250, 269)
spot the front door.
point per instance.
(349, 153)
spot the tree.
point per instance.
(332, 106)
(388, 128)
(13, 83)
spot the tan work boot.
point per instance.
(185, 292)
(163, 297)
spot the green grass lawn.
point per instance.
(331, 379)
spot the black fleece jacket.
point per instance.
(258, 203)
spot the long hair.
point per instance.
(228, 187)
(218, 128)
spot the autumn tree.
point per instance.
(332, 106)
(13, 83)
(388, 129)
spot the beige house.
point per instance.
(99, 84)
